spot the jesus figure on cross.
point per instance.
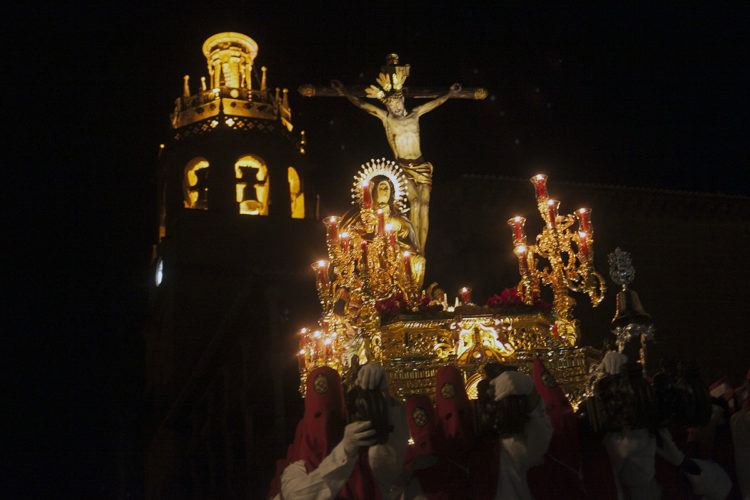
(402, 131)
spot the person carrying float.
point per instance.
(332, 459)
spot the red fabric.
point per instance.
(454, 411)
(439, 480)
(558, 477)
(422, 427)
(459, 471)
(320, 430)
(722, 388)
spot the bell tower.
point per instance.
(233, 214)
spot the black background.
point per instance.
(651, 97)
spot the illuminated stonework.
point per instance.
(195, 184)
(296, 196)
(230, 91)
(230, 59)
(251, 173)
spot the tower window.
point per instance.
(251, 173)
(195, 184)
(296, 195)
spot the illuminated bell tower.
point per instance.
(232, 218)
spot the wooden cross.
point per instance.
(310, 90)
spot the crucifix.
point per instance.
(401, 128)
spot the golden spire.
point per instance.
(228, 97)
(230, 59)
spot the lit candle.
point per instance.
(332, 225)
(517, 223)
(465, 294)
(381, 221)
(344, 240)
(391, 235)
(301, 359)
(318, 344)
(552, 206)
(584, 219)
(329, 349)
(583, 244)
(366, 198)
(303, 339)
(321, 272)
(540, 183)
(407, 265)
(523, 266)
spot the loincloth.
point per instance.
(418, 170)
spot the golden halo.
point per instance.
(389, 169)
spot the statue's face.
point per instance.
(395, 105)
(382, 193)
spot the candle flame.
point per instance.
(517, 218)
(551, 202)
(302, 352)
(303, 331)
(540, 177)
(406, 254)
(520, 249)
(327, 342)
(389, 227)
(316, 334)
(321, 263)
(464, 290)
(380, 211)
(582, 234)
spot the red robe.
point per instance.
(560, 476)
(321, 428)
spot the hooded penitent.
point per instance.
(454, 411)
(560, 475)
(320, 430)
(422, 427)
(440, 456)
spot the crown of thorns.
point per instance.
(390, 81)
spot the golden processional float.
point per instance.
(375, 306)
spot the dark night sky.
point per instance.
(635, 96)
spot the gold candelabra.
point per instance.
(569, 256)
(370, 259)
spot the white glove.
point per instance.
(613, 362)
(668, 450)
(712, 483)
(357, 434)
(512, 383)
(372, 376)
